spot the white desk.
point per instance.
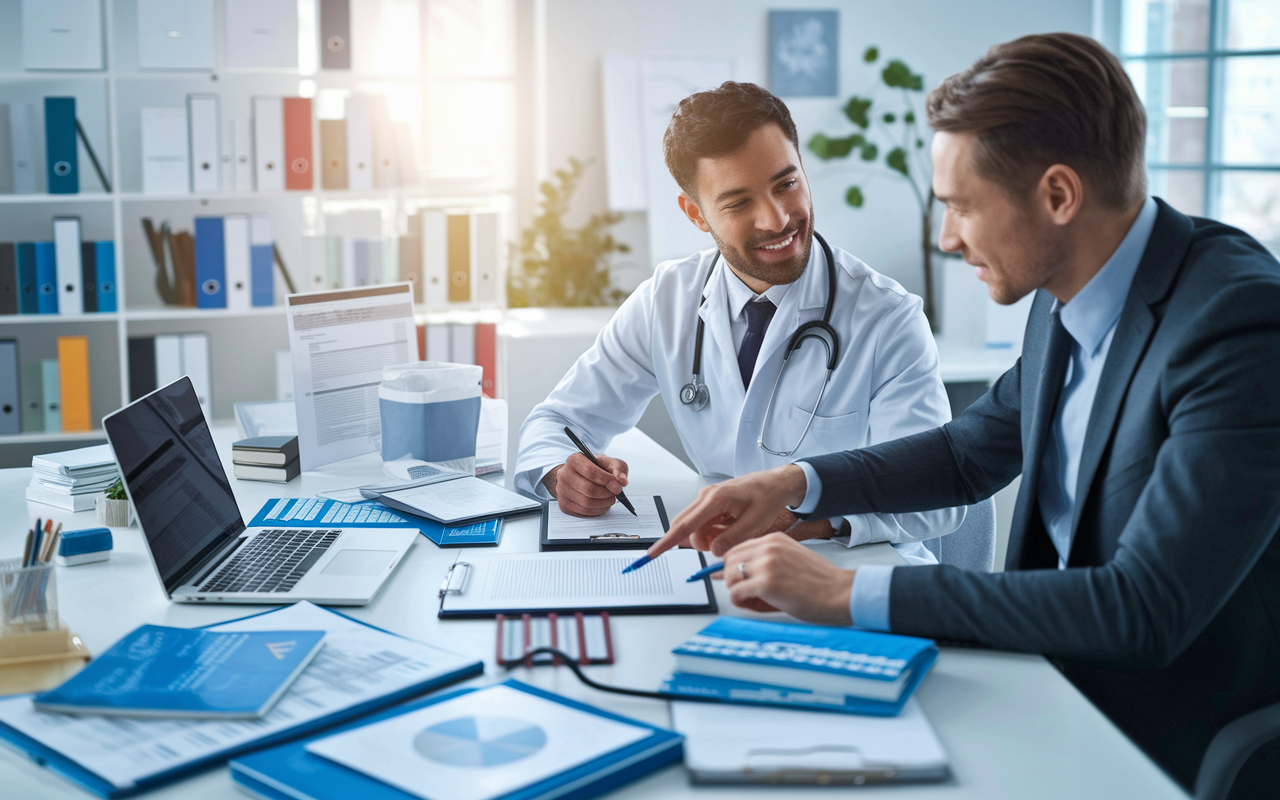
(1014, 727)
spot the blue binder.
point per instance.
(105, 255)
(46, 278)
(289, 772)
(89, 781)
(28, 284)
(60, 145)
(211, 267)
(260, 260)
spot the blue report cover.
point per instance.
(301, 512)
(784, 664)
(157, 671)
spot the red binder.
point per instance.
(487, 357)
(297, 143)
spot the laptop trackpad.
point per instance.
(359, 563)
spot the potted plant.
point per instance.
(903, 153)
(558, 265)
(113, 506)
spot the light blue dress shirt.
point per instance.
(1090, 318)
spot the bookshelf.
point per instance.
(243, 343)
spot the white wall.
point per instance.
(935, 37)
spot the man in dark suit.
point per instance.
(1143, 417)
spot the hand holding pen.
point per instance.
(587, 485)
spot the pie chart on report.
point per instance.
(479, 741)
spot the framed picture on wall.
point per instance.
(804, 53)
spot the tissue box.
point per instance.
(83, 547)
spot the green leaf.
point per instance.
(869, 152)
(897, 160)
(854, 197)
(909, 117)
(898, 75)
(890, 118)
(871, 54)
(856, 110)
(919, 143)
(827, 148)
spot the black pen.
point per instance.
(622, 496)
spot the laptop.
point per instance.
(199, 545)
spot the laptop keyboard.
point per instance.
(273, 561)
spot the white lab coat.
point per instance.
(885, 386)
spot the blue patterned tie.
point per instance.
(759, 313)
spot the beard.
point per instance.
(775, 274)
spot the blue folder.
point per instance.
(306, 512)
(260, 261)
(60, 145)
(105, 254)
(290, 772)
(28, 285)
(52, 759)
(211, 267)
(46, 278)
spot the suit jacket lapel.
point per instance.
(1159, 266)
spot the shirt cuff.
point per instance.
(812, 492)
(869, 598)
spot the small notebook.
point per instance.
(456, 501)
(487, 584)
(615, 529)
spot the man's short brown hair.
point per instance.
(718, 122)
(1049, 99)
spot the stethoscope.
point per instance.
(696, 394)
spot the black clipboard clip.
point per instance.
(447, 588)
(613, 537)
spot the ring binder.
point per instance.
(446, 588)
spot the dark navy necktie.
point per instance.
(759, 313)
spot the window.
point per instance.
(1208, 72)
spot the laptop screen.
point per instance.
(179, 489)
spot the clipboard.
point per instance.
(485, 584)
(605, 539)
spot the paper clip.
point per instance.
(446, 588)
(614, 536)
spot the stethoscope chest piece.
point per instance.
(695, 394)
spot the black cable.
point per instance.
(572, 664)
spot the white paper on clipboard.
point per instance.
(340, 341)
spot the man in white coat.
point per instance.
(734, 152)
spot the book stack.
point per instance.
(266, 458)
(71, 480)
(801, 666)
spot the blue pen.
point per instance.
(637, 564)
(704, 572)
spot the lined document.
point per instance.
(615, 523)
(574, 581)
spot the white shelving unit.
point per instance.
(108, 104)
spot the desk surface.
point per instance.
(1013, 726)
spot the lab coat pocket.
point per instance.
(821, 424)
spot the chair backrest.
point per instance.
(1231, 748)
(972, 546)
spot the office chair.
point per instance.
(1231, 748)
(972, 546)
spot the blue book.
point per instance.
(105, 256)
(260, 278)
(211, 268)
(28, 286)
(60, 145)
(307, 512)
(808, 666)
(46, 278)
(293, 772)
(157, 671)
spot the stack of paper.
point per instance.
(70, 480)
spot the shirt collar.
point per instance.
(1093, 312)
(739, 294)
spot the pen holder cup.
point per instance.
(28, 598)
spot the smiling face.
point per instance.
(755, 203)
(1016, 245)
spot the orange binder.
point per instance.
(297, 143)
(487, 357)
(459, 235)
(73, 377)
